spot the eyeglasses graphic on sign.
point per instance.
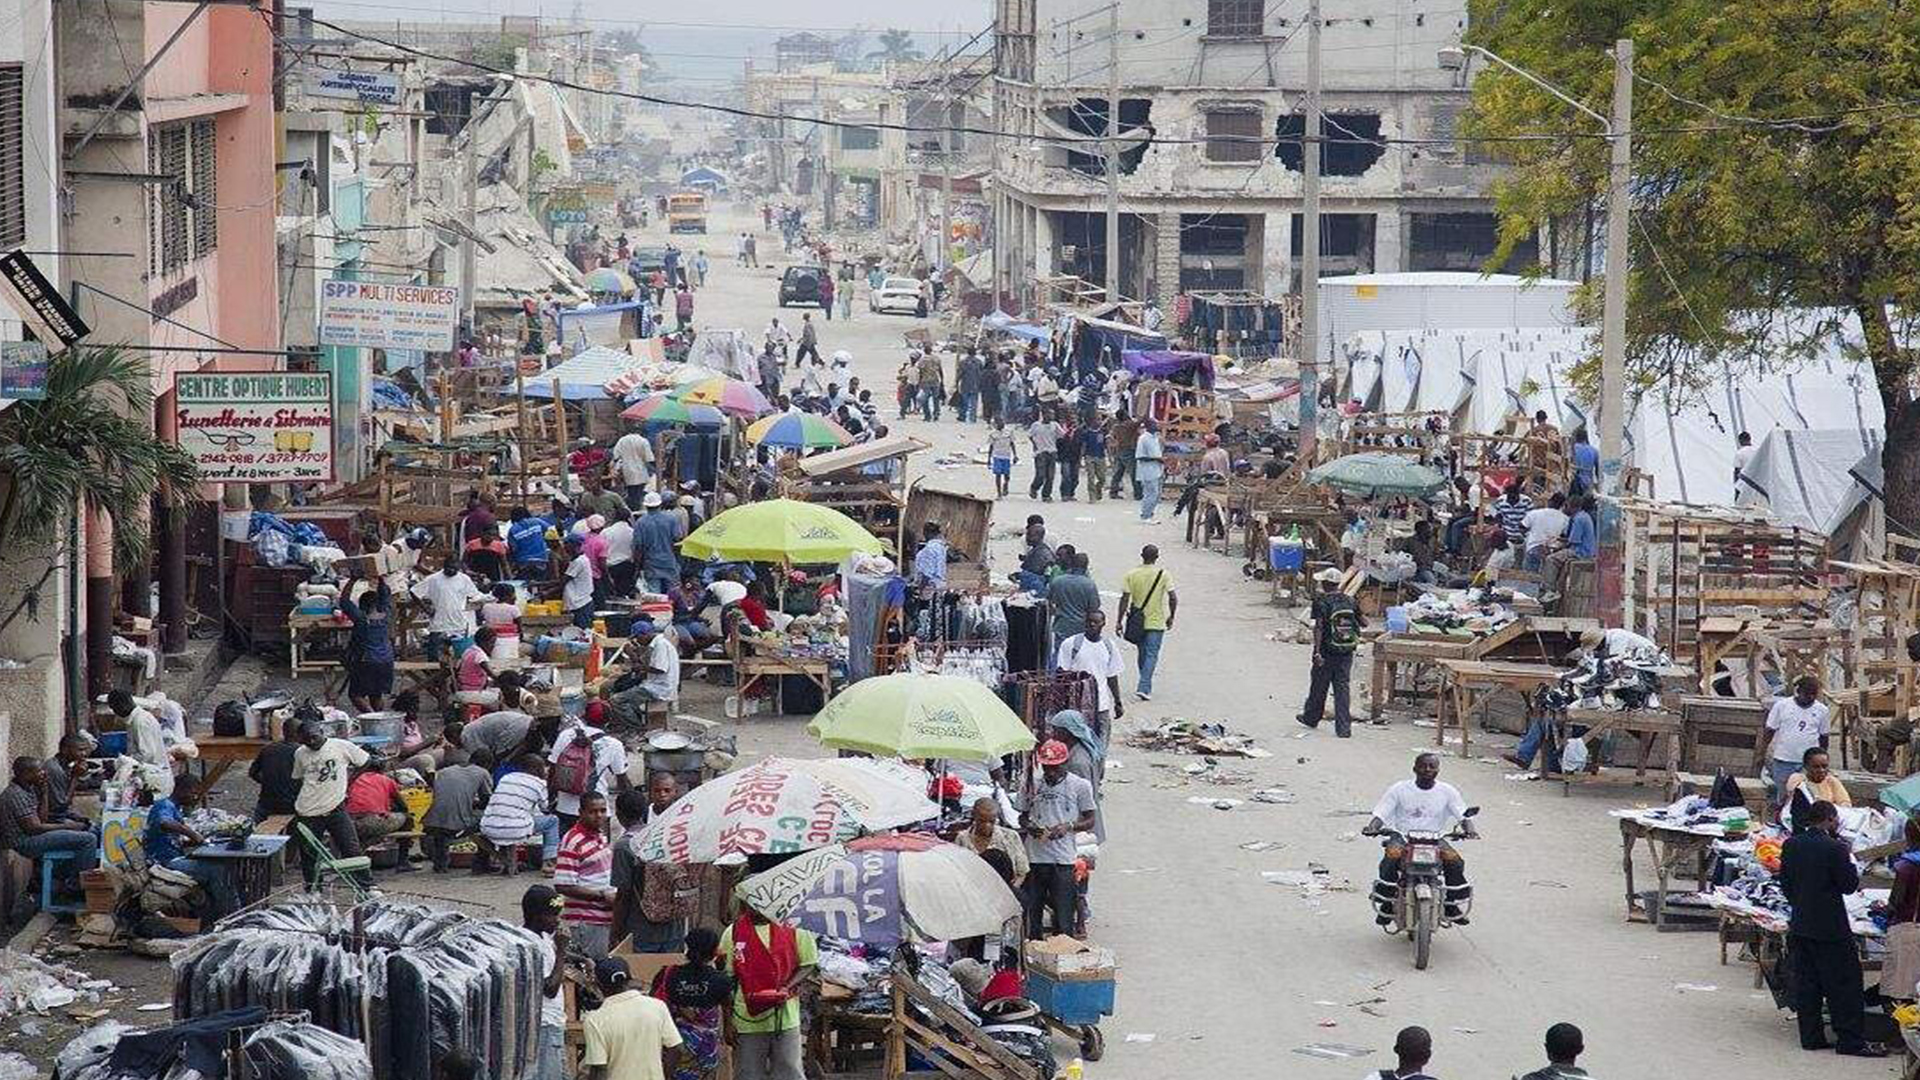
(228, 440)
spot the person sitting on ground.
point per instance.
(460, 795)
(375, 805)
(1565, 1044)
(23, 830)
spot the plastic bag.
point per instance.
(1573, 756)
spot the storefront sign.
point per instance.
(23, 370)
(265, 428)
(366, 87)
(386, 316)
(38, 304)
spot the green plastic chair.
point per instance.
(344, 869)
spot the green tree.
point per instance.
(86, 443)
(1776, 162)
(895, 45)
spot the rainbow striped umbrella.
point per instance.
(667, 409)
(798, 431)
(728, 395)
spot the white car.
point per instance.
(895, 294)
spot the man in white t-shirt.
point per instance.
(621, 569)
(1097, 653)
(1544, 525)
(633, 464)
(1425, 805)
(576, 593)
(323, 766)
(454, 597)
(1798, 723)
(609, 768)
(663, 662)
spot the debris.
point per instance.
(155, 1006)
(15, 1067)
(1523, 822)
(1694, 988)
(1217, 804)
(1180, 736)
(29, 983)
(1328, 1004)
(1273, 795)
(1348, 837)
(1332, 1051)
(1140, 1036)
(1261, 845)
(1466, 1031)
(1371, 1011)
(1546, 884)
(1329, 1023)
(1426, 723)
(86, 1016)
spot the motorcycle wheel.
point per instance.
(1425, 913)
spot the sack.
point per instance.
(1725, 793)
(1343, 628)
(230, 720)
(573, 769)
(1135, 632)
(1573, 756)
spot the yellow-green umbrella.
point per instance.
(921, 716)
(782, 531)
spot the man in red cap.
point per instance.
(1061, 807)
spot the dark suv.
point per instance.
(801, 285)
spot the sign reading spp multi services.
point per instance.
(386, 316)
(270, 427)
(366, 87)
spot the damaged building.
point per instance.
(1211, 121)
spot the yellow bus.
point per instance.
(687, 212)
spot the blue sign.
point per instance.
(23, 370)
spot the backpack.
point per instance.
(573, 770)
(1343, 628)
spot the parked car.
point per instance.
(896, 294)
(648, 259)
(801, 285)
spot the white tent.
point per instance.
(1814, 479)
(725, 351)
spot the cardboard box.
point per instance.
(1070, 960)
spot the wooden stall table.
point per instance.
(838, 1033)
(1670, 845)
(947, 1037)
(1466, 684)
(253, 870)
(1392, 651)
(1646, 725)
(302, 630)
(751, 666)
(218, 753)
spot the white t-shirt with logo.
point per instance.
(1795, 729)
(1100, 659)
(323, 775)
(1407, 807)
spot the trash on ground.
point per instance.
(1695, 988)
(1261, 845)
(1273, 795)
(1332, 1051)
(28, 983)
(1186, 737)
(1140, 1036)
(1546, 884)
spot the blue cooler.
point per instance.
(1287, 556)
(1071, 1002)
(1397, 620)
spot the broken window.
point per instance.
(1088, 116)
(1236, 18)
(1234, 135)
(1346, 243)
(1213, 234)
(1349, 142)
(1463, 241)
(859, 138)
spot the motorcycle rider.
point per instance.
(1422, 804)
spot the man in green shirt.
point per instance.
(767, 1045)
(1148, 590)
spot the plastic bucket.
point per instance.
(1397, 620)
(1286, 555)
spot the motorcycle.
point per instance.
(1419, 901)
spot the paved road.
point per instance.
(1229, 974)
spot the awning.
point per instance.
(866, 453)
(1161, 363)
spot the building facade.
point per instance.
(1211, 119)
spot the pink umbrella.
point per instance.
(728, 395)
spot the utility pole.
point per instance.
(1310, 241)
(469, 252)
(1609, 568)
(946, 163)
(1113, 152)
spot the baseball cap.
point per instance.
(612, 971)
(650, 501)
(1329, 575)
(1052, 752)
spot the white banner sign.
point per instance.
(257, 428)
(366, 87)
(384, 316)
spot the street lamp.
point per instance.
(1613, 323)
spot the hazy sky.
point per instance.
(944, 15)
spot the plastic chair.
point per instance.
(344, 869)
(47, 904)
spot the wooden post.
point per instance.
(560, 431)
(446, 408)
(524, 467)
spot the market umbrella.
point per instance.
(879, 890)
(916, 715)
(783, 805)
(606, 279)
(798, 431)
(667, 409)
(1373, 474)
(780, 531)
(726, 394)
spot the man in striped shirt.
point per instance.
(1513, 513)
(517, 812)
(584, 875)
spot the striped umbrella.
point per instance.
(798, 431)
(667, 409)
(728, 395)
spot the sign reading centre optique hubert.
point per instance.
(386, 316)
(264, 428)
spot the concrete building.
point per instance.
(797, 147)
(1211, 97)
(936, 107)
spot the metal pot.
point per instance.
(388, 724)
(677, 761)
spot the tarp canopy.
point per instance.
(1812, 479)
(1003, 323)
(1167, 363)
(583, 377)
(703, 176)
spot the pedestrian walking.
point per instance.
(1148, 468)
(1336, 634)
(631, 1036)
(1044, 436)
(741, 248)
(1093, 456)
(700, 269)
(1061, 806)
(1120, 443)
(767, 960)
(967, 376)
(323, 765)
(683, 308)
(826, 295)
(932, 380)
(753, 252)
(1068, 460)
(809, 339)
(1148, 604)
(540, 909)
(1002, 452)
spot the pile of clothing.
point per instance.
(1757, 887)
(437, 980)
(1469, 610)
(193, 1049)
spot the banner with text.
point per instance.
(366, 87)
(386, 316)
(265, 428)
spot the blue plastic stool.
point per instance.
(46, 884)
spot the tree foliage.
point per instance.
(1776, 164)
(86, 443)
(895, 45)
